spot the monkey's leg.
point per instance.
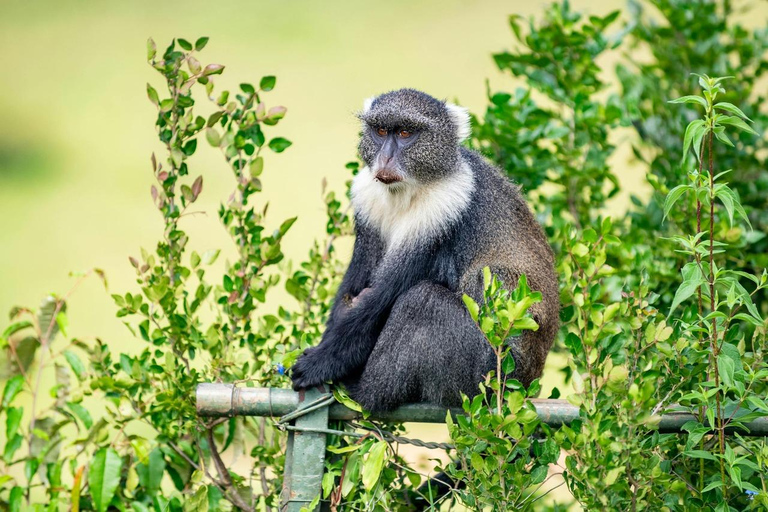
(430, 350)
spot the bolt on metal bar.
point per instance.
(217, 400)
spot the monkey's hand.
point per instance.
(346, 344)
(310, 369)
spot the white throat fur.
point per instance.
(406, 212)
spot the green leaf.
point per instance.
(213, 69)
(692, 280)
(82, 413)
(344, 449)
(46, 319)
(267, 83)
(691, 99)
(373, 464)
(580, 250)
(190, 147)
(151, 474)
(11, 445)
(213, 137)
(693, 132)
(699, 454)
(722, 137)
(74, 362)
(538, 475)
(342, 397)
(152, 95)
(151, 49)
(184, 44)
(726, 368)
(62, 322)
(15, 499)
(472, 307)
(731, 203)
(256, 167)
(279, 144)
(104, 477)
(526, 323)
(731, 108)
(210, 256)
(12, 388)
(478, 464)
(12, 421)
(736, 122)
(16, 327)
(200, 43)
(198, 502)
(515, 401)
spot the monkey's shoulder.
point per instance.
(500, 229)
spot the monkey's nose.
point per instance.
(385, 160)
(388, 176)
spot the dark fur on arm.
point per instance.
(366, 253)
(352, 332)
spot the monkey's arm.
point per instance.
(357, 278)
(349, 340)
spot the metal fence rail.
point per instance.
(305, 450)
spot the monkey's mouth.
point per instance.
(388, 176)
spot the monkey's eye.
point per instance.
(404, 134)
(381, 131)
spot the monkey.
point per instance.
(429, 214)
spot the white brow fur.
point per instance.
(406, 212)
(367, 104)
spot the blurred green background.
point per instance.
(76, 128)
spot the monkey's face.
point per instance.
(408, 137)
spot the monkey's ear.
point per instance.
(460, 117)
(368, 103)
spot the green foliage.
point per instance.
(555, 130)
(496, 456)
(635, 324)
(122, 430)
(684, 37)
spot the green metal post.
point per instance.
(304, 456)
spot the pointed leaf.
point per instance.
(74, 362)
(374, 464)
(691, 131)
(691, 99)
(104, 477)
(731, 108)
(12, 388)
(736, 122)
(692, 280)
(200, 43)
(672, 198)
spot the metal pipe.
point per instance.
(217, 400)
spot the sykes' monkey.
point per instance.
(429, 215)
